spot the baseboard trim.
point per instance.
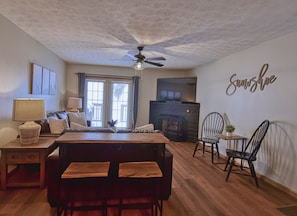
(278, 185)
(269, 181)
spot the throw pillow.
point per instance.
(57, 126)
(145, 128)
(77, 126)
(63, 115)
(78, 118)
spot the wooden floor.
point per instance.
(199, 188)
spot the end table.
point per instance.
(15, 153)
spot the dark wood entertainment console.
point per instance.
(179, 121)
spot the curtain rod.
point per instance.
(107, 76)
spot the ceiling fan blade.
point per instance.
(156, 59)
(131, 56)
(154, 63)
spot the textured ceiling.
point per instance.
(186, 32)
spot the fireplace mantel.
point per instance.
(179, 121)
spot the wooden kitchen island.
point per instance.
(115, 148)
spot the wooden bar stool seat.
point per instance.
(139, 180)
(85, 184)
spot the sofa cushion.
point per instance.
(57, 126)
(77, 126)
(90, 129)
(78, 118)
(44, 123)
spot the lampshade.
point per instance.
(74, 103)
(28, 110)
(138, 65)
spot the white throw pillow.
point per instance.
(78, 118)
(77, 126)
(57, 126)
(145, 128)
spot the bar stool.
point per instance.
(140, 180)
(85, 182)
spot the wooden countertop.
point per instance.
(114, 138)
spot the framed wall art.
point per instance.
(36, 79)
(52, 83)
(43, 80)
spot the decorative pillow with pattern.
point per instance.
(148, 128)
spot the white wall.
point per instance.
(246, 110)
(17, 51)
(147, 84)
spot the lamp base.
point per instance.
(74, 110)
(29, 132)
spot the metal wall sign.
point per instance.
(252, 84)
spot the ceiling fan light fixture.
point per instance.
(138, 65)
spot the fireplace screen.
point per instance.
(173, 127)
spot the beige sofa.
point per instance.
(61, 121)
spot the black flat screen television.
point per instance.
(182, 89)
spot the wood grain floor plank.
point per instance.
(198, 189)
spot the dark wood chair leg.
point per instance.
(212, 152)
(196, 146)
(227, 163)
(217, 146)
(203, 147)
(253, 172)
(230, 169)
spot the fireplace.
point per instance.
(173, 126)
(179, 121)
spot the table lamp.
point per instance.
(29, 110)
(74, 103)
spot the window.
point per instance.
(108, 99)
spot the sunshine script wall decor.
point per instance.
(253, 83)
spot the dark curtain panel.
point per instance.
(135, 87)
(81, 87)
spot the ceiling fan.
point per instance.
(140, 59)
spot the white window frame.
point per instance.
(107, 97)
